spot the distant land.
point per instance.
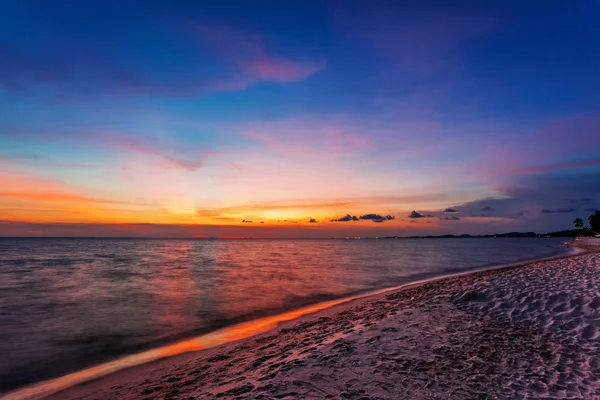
(565, 233)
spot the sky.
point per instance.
(297, 118)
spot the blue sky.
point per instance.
(196, 116)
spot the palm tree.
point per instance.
(595, 221)
(578, 223)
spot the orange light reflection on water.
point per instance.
(216, 338)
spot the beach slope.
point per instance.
(529, 331)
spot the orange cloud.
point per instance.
(30, 197)
(30, 187)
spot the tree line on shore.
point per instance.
(594, 221)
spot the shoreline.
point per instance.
(246, 331)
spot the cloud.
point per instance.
(172, 158)
(282, 70)
(310, 205)
(23, 186)
(249, 58)
(311, 137)
(592, 209)
(415, 214)
(582, 200)
(246, 221)
(377, 217)
(41, 160)
(346, 218)
(208, 60)
(72, 71)
(453, 218)
(450, 210)
(593, 162)
(558, 210)
(312, 221)
(501, 159)
(487, 209)
(523, 199)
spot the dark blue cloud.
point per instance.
(366, 217)
(345, 218)
(532, 200)
(377, 217)
(415, 214)
(583, 200)
(450, 210)
(558, 210)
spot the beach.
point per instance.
(530, 331)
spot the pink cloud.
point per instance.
(365, 142)
(250, 59)
(195, 160)
(311, 136)
(282, 70)
(551, 146)
(558, 166)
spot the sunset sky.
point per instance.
(297, 118)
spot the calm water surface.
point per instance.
(66, 304)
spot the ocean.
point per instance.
(67, 304)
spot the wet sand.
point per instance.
(528, 331)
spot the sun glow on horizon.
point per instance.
(180, 209)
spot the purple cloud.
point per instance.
(558, 210)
